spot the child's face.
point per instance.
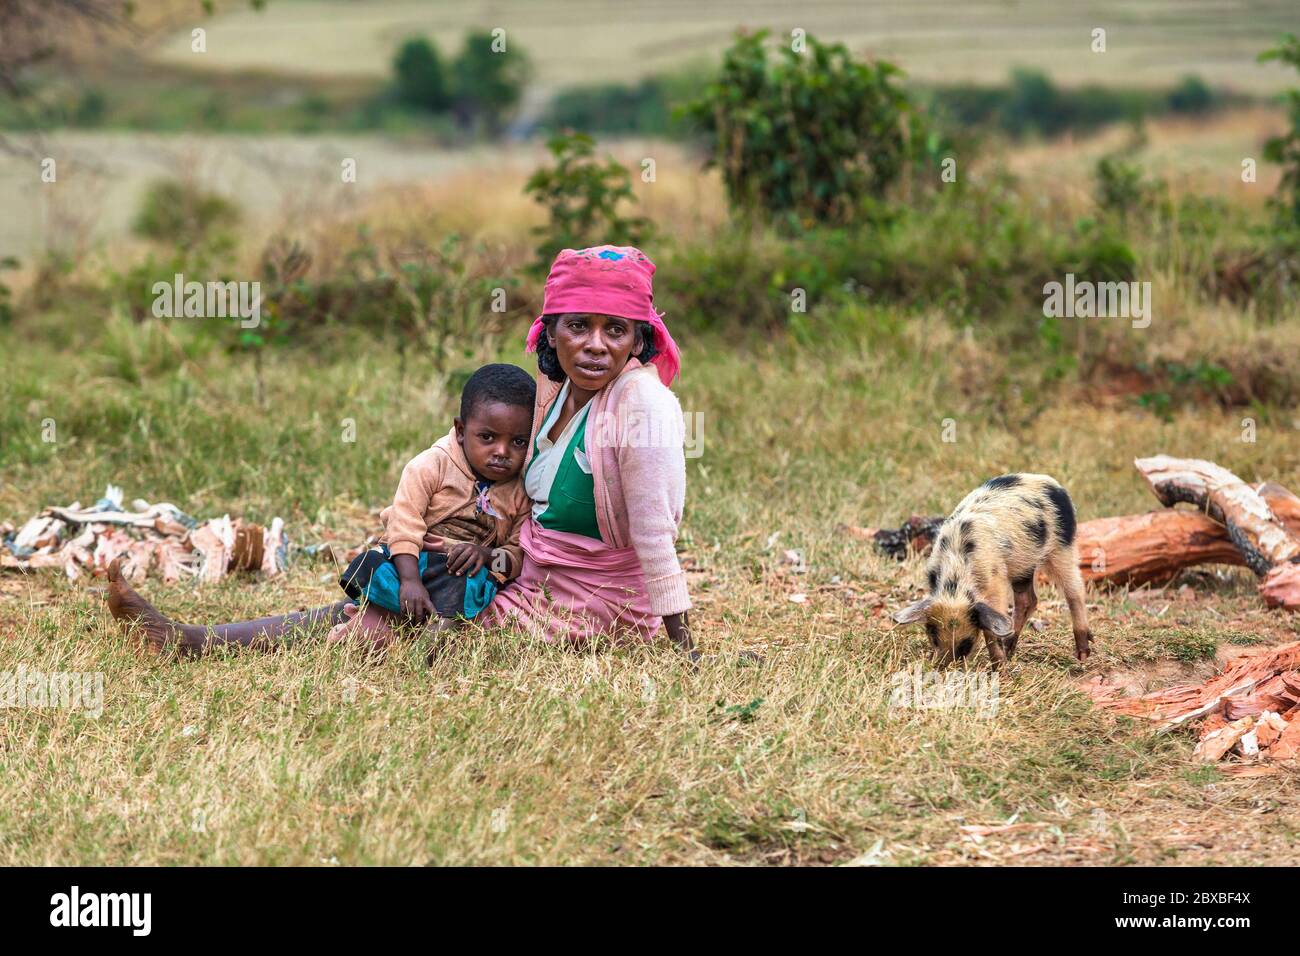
(495, 439)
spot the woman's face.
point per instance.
(592, 349)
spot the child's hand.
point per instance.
(466, 558)
(435, 543)
(414, 600)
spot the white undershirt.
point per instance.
(549, 455)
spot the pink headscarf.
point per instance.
(609, 280)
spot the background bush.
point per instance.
(805, 136)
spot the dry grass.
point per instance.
(1194, 156)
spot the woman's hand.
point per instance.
(678, 627)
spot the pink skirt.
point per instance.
(575, 587)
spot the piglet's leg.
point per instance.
(1026, 600)
(998, 595)
(1063, 569)
(997, 650)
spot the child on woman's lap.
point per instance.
(463, 498)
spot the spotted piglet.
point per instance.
(982, 565)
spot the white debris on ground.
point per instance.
(159, 538)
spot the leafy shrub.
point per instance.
(1121, 188)
(582, 196)
(432, 301)
(1284, 149)
(1101, 255)
(805, 137)
(736, 278)
(1183, 382)
(90, 109)
(449, 307)
(182, 213)
(421, 77)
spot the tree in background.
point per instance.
(421, 77)
(1191, 95)
(487, 82)
(807, 136)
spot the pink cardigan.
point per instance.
(635, 435)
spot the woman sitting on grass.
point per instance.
(606, 473)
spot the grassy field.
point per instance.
(1153, 42)
(505, 752)
(501, 750)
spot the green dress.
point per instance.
(571, 502)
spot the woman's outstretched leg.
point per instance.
(160, 632)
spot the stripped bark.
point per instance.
(1262, 539)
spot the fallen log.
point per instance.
(1263, 540)
(1269, 547)
(1284, 505)
(1152, 547)
(1281, 587)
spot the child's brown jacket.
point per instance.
(437, 487)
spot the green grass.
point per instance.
(508, 752)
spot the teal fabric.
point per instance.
(480, 588)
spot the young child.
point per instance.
(465, 494)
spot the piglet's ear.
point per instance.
(913, 612)
(995, 623)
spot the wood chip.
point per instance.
(1213, 747)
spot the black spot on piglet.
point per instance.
(1037, 529)
(1003, 481)
(1064, 508)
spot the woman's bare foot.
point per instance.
(137, 615)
